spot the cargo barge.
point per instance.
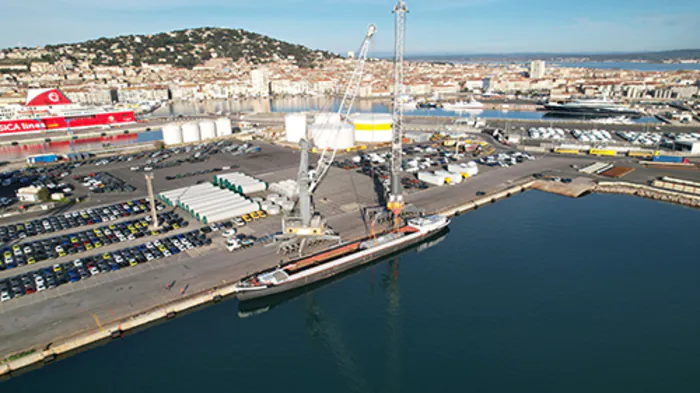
(306, 271)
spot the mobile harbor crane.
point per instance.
(303, 227)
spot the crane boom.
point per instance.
(396, 203)
(328, 155)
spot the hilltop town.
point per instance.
(211, 63)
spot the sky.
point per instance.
(433, 26)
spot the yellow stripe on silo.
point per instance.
(372, 127)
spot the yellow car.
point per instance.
(175, 226)
(106, 256)
(62, 254)
(137, 225)
(162, 248)
(98, 244)
(7, 254)
(15, 247)
(246, 218)
(133, 262)
(112, 227)
(74, 240)
(254, 215)
(130, 227)
(31, 261)
(262, 214)
(89, 246)
(57, 268)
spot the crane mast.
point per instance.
(304, 227)
(396, 202)
(353, 87)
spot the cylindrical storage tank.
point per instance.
(295, 127)
(190, 132)
(333, 136)
(223, 126)
(172, 134)
(327, 118)
(207, 129)
(373, 127)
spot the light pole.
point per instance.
(70, 135)
(154, 217)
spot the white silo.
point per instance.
(223, 126)
(190, 132)
(295, 127)
(373, 127)
(172, 134)
(327, 118)
(207, 129)
(334, 136)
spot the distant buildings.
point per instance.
(260, 82)
(537, 69)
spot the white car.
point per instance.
(229, 233)
(233, 247)
(5, 296)
(238, 222)
(118, 259)
(149, 256)
(166, 253)
(94, 270)
(40, 287)
(78, 263)
(214, 227)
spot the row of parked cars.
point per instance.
(91, 239)
(84, 268)
(75, 219)
(103, 182)
(506, 159)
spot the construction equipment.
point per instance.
(328, 155)
(395, 201)
(303, 227)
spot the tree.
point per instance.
(44, 195)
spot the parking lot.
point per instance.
(80, 269)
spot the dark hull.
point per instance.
(589, 112)
(270, 292)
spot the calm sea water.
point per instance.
(537, 293)
(632, 66)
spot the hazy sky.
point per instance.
(434, 26)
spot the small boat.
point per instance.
(471, 105)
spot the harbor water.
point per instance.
(537, 293)
(306, 104)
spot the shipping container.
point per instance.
(42, 159)
(602, 152)
(670, 159)
(566, 151)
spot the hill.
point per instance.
(182, 48)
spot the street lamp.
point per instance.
(70, 135)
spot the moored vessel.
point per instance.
(50, 110)
(322, 266)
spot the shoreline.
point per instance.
(63, 347)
